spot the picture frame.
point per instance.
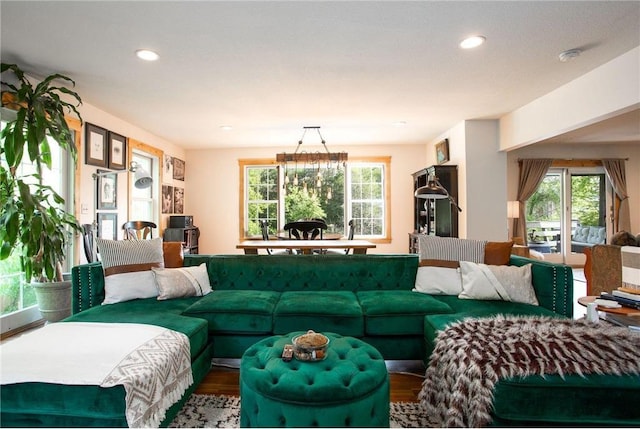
(117, 151)
(178, 200)
(108, 226)
(168, 168)
(95, 138)
(442, 151)
(167, 199)
(107, 190)
(178, 169)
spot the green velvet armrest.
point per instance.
(552, 282)
(87, 286)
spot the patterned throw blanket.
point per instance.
(472, 355)
(152, 363)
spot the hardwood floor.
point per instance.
(405, 378)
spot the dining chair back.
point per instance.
(306, 229)
(138, 230)
(350, 235)
(264, 227)
(87, 241)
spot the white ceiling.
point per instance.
(354, 68)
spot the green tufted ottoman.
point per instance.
(349, 388)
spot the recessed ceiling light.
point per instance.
(226, 127)
(147, 55)
(472, 42)
(400, 123)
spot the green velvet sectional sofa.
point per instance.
(365, 296)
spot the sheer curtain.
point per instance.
(532, 172)
(616, 173)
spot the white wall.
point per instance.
(213, 187)
(606, 91)
(473, 147)
(86, 202)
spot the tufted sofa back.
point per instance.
(275, 272)
(309, 272)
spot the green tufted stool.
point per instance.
(350, 387)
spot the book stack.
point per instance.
(631, 322)
(627, 297)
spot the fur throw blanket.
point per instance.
(471, 356)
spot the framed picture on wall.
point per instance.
(108, 226)
(442, 151)
(167, 199)
(178, 169)
(117, 151)
(168, 168)
(95, 145)
(107, 191)
(178, 200)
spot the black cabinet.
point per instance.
(436, 217)
(188, 236)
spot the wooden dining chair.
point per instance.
(349, 237)
(138, 230)
(264, 227)
(310, 229)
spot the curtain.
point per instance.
(615, 170)
(532, 173)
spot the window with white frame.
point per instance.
(357, 191)
(18, 304)
(142, 200)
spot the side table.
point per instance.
(350, 387)
(622, 310)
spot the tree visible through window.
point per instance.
(356, 191)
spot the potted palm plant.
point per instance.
(33, 221)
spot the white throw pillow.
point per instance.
(438, 281)
(497, 282)
(127, 268)
(182, 282)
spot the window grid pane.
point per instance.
(262, 198)
(367, 199)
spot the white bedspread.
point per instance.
(152, 363)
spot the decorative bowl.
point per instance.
(310, 347)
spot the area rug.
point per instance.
(220, 411)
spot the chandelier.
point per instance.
(314, 162)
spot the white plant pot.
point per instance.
(54, 299)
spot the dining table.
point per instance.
(251, 247)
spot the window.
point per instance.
(144, 204)
(18, 305)
(567, 213)
(359, 191)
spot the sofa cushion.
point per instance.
(567, 400)
(397, 312)
(237, 311)
(328, 311)
(173, 254)
(438, 280)
(596, 235)
(182, 282)
(152, 312)
(439, 249)
(497, 282)
(127, 268)
(497, 252)
(464, 308)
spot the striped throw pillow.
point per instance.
(448, 251)
(127, 268)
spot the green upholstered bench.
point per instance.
(350, 387)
